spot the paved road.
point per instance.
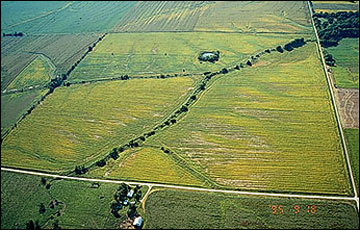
(356, 199)
(330, 84)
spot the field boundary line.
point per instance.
(337, 117)
(206, 31)
(269, 194)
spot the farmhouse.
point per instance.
(130, 193)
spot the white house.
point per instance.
(130, 193)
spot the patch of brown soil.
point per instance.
(348, 105)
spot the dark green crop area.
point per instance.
(197, 210)
(80, 204)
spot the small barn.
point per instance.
(138, 221)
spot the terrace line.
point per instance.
(356, 199)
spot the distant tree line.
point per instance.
(332, 27)
(15, 34)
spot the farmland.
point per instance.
(184, 209)
(14, 105)
(73, 126)
(81, 209)
(38, 72)
(335, 6)
(346, 71)
(162, 16)
(348, 104)
(169, 53)
(64, 17)
(221, 113)
(283, 17)
(270, 16)
(275, 131)
(62, 50)
(147, 164)
(352, 139)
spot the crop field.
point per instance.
(147, 164)
(162, 16)
(14, 105)
(270, 16)
(63, 17)
(335, 6)
(195, 210)
(346, 71)
(12, 65)
(221, 113)
(352, 139)
(62, 50)
(79, 123)
(348, 106)
(270, 127)
(38, 72)
(216, 16)
(169, 53)
(82, 209)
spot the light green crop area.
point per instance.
(38, 72)
(346, 55)
(76, 124)
(268, 127)
(170, 53)
(147, 164)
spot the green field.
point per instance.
(38, 72)
(260, 16)
(147, 164)
(243, 16)
(269, 127)
(62, 17)
(162, 16)
(346, 55)
(352, 139)
(14, 105)
(77, 124)
(196, 210)
(169, 53)
(81, 209)
(335, 6)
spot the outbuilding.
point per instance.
(138, 221)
